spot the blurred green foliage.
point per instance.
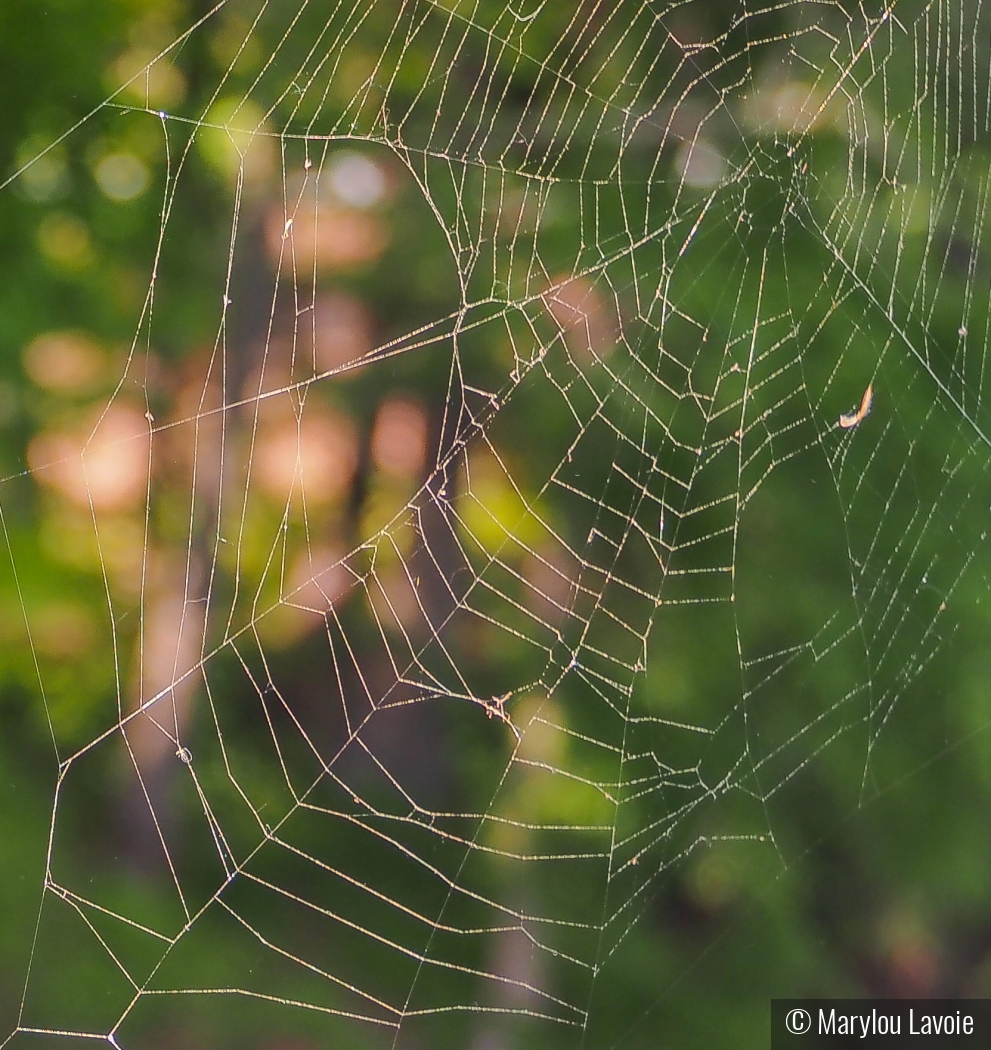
(617, 273)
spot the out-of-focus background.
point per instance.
(441, 604)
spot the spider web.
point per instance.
(448, 617)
